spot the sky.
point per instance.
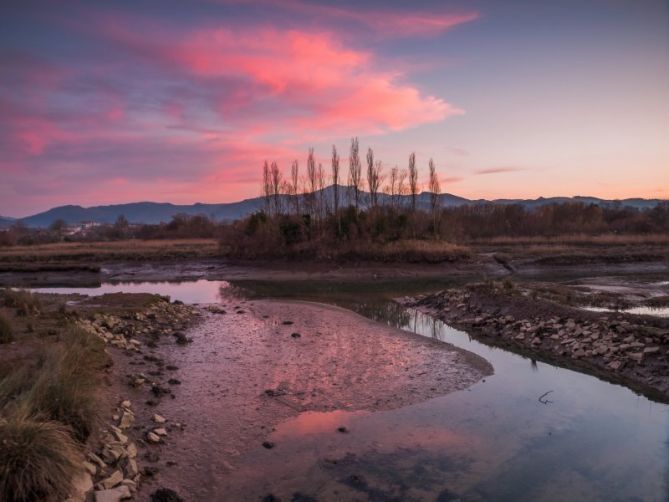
(172, 101)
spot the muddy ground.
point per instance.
(252, 365)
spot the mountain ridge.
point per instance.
(148, 212)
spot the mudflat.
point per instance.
(252, 365)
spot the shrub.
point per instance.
(38, 459)
(6, 335)
(23, 301)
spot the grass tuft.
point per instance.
(38, 459)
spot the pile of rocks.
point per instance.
(111, 473)
(161, 318)
(614, 344)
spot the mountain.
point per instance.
(6, 222)
(157, 212)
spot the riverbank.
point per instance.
(65, 434)
(623, 348)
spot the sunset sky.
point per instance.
(167, 100)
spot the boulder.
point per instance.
(113, 480)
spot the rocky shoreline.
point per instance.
(112, 470)
(622, 348)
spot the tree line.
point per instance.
(305, 195)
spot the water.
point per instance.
(585, 439)
(652, 311)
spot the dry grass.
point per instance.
(23, 301)
(563, 241)
(110, 250)
(38, 459)
(6, 334)
(409, 251)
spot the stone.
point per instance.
(636, 356)
(81, 485)
(113, 495)
(127, 419)
(152, 437)
(161, 431)
(90, 468)
(113, 480)
(97, 460)
(615, 365)
(131, 469)
(651, 350)
(159, 419)
(126, 404)
(131, 450)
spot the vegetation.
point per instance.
(6, 334)
(38, 459)
(48, 404)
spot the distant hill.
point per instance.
(157, 212)
(6, 222)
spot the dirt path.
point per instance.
(262, 362)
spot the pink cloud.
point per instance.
(498, 170)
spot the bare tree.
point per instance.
(311, 179)
(323, 208)
(266, 185)
(374, 177)
(294, 180)
(401, 184)
(435, 189)
(276, 185)
(371, 178)
(355, 170)
(392, 185)
(413, 180)
(335, 178)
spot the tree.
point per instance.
(355, 170)
(374, 177)
(392, 185)
(58, 227)
(413, 180)
(435, 189)
(275, 185)
(311, 179)
(335, 178)
(266, 185)
(294, 180)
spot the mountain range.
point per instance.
(158, 212)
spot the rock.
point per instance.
(112, 452)
(268, 444)
(131, 469)
(96, 460)
(159, 419)
(295, 335)
(165, 495)
(161, 431)
(114, 495)
(151, 437)
(127, 419)
(615, 365)
(342, 429)
(126, 404)
(651, 350)
(90, 468)
(131, 450)
(636, 356)
(81, 485)
(122, 438)
(113, 480)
